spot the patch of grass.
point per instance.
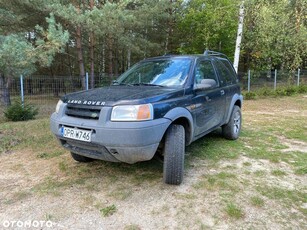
(53, 186)
(257, 201)
(221, 181)
(278, 172)
(121, 193)
(49, 155)
(260, 173)
(48, 216)
(214, 147)
(88, 200)
(246, 163)
(17, 137)
(287, 196)
(132, 227)
(186, 196)
(63, 166)
(108, 211)
(264, 145)
(225, 175)
(8, 139)
(17, 197)
(234, 211)
(301, 171)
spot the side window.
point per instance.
(226, 72)
(205, 76)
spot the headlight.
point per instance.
(132, 113)
(57, 108)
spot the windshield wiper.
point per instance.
(147, 84)
(119, 83)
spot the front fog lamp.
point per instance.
(132, 113)
(57, 108)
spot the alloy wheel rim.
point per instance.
(237, 123)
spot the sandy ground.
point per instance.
(26, 198)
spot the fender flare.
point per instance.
(181, 112)
(234, 99)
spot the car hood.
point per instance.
(113, 95)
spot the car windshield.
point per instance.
(169, 72)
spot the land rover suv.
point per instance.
(162, 103)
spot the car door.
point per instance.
(228, 80)
(208, 100)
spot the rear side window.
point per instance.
(226, 72)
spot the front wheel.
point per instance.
(80, 158)
(174, 149)
(232, 129)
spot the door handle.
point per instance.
(208, 98)
(222, 92)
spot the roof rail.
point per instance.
(214, 53)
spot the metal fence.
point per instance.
(44, 91)
(254, 80)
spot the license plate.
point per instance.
(76, 134)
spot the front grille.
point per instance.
(83, 112)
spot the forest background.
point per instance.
(105, 38)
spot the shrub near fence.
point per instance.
(42, 91)
(45, 91)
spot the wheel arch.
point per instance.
(182, 116)
(236, 100)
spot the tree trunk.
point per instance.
(169, 34)
(72, 82)
(110, 46)
(128, 58)
(116, 62)
(79, 51)
(5, 97)
(92, 47)
(239, 38)
(55, 84)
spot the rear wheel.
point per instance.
(173, 165)
(232, 129)
(80, 158)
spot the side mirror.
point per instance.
(202, 86)
(206, 84)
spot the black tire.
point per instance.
(174, 149)
(232, 129)
(80, 158)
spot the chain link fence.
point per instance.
(254, 80)
(44, 91)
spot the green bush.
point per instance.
(302, 89)
(249, 95)
(279, 92)
(286, 91)
(17, 112)
(266, 92)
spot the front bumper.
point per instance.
(128, 142)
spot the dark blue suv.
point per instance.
(162, 103)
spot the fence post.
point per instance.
(249, 81)
(86, 80)
(21, 91)
(275, 79)
(298, 76)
